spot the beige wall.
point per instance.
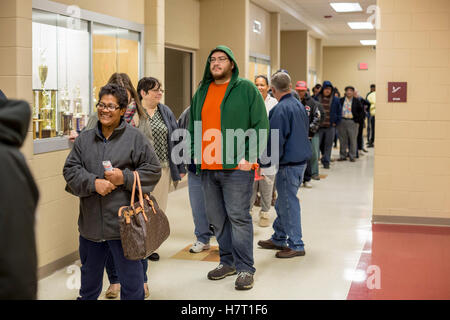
(224, 22)
(340, 66)
(315, 60)
(294, 58)
(131, 10)
(275, 41)
(260, 43)
(412, 155)
(183, 23)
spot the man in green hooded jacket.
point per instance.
(228, 128)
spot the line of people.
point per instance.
(133, 130)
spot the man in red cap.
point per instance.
(315, 112)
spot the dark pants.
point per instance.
(308, 172)
(227, 200)
(93, 258)
(326, 136)
(372, 130)
(111, 271)
(360, 136)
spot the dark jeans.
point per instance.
(287, 225)
(110, 267)
(227, 199)
(93, 258)
(360, 136)
(326, 136)
(197, 200)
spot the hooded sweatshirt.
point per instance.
(242, 108)
(18, 200)
(332, 115)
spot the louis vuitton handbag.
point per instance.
(143, 225)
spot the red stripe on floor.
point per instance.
(413, 263)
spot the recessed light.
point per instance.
(360, 25)
(369, 42)
(346, 6)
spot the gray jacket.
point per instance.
(128, 150)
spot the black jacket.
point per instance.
(18, 200)
(183, 123)
(315, 111)
(357, 109)
(128, 150)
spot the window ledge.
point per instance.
(51, 145)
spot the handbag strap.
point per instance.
(141, 198)
(133, 192)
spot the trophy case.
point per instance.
(61, 74)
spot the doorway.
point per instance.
(178, 79)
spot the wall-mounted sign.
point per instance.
(257, 27)
(397, 91)
(363, 66)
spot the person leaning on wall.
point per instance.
(19, 197)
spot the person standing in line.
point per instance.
(365, 106)
(371, 97)
(352, 112)
(316, 90)
(102, 192)
(202, 228)
(315, 112)
(19, 197)
(330, 104)
(289, 117)
(266, 185)
(225, 102)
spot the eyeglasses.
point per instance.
(111, 107)
(158, 90)
(219, 59)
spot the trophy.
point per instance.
(79, 118)
(47, 104)
(65, 116)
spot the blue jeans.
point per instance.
(197, 200)
(287, 225)
(227, 199)
(93, 258)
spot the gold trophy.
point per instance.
(65, 116)
(47, 105)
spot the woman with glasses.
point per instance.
(159, 121)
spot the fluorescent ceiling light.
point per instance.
(369, 42)
(360, 25)
(346, 6)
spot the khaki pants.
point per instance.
(161, 191)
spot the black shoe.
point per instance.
(352, 160)
(244, 281)
(316, 177)
(326, 166)
(220, 272)
(153, 257)
(342, 159)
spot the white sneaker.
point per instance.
(199, 247)
(307, 184)
(264, 219)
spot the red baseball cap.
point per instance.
(301, 85)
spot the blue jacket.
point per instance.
(290, 118)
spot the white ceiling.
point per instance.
(309, 15)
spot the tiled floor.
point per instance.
(336, 220)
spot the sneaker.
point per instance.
(316, 177)
(199, 247)
(307, 184)
(244, 281)
(222, 271)
(264, 219)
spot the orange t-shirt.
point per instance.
(211, 120)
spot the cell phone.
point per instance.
(107, 165)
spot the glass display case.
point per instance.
(61, 74)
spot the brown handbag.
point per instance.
(143, 225)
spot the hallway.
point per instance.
(336, 221)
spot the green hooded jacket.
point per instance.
(242, 109)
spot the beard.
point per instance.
(225, 74)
